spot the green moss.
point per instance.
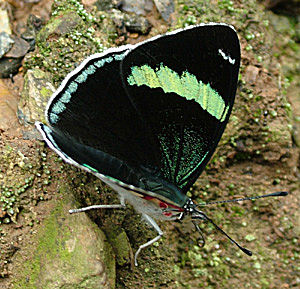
(196, 11)
(62, 250)
(46, 92)
(71, 34)
(48, 248)
(238, 210)
(119, 241)
(10, 200)
(75, 6)
(18, 178)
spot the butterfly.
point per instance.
(146, 118)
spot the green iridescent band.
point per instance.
(185, 85)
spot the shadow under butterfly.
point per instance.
(146, 119)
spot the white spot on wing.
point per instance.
(231, 61)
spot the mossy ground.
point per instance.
(256, 155)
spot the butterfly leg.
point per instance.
(113, 206)
(201, 234)
(151, 222)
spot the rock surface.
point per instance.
(59, 26)
(37, 90)
(68, 251)
(9, 66)
(118, 238)
(19, 49)
(4, 21)
(165, 8)
(141, 7)
(8, 108)
(6, 43)
(137, 24)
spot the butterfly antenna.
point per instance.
(276, 194)
(202, 216)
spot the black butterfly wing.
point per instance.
(93, 125)
(183, 86)
(92, 108)
(158, 139)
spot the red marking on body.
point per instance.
(163, 205)
(167, 214)
(148, 197)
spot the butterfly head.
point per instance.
(190, 209)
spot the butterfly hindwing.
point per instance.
(183, 85)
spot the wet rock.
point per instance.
(36, 92)
(137, 24)
(9, 66)
(60, 26)
(6, 43)
(165, 8)
(67, 251)
(19, 48)
(4, 22)
(138, 7)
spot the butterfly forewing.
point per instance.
(93, 109)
